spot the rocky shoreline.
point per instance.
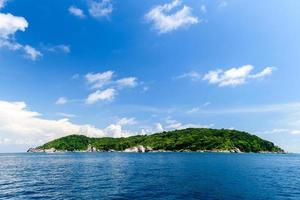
(142, 149)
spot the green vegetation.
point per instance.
(192, 139)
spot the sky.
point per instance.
(125, 67)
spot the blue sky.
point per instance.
(119, 68)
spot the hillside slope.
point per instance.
(191, 139)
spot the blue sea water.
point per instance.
(149, 176)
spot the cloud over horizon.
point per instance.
(21, 126)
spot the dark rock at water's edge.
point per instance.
(186, 140)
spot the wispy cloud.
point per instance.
(61, 101)
(100, 8)
(2, 3)
(98, 80)
(76, 12)
(203, 9)
(198, 108)
(59, 48)
(235, 76)
(164, 21)
(109, 86)
(101, 95)
(127, 82)
(222, 4)
(192, 75)
(284, 107)
(66, 115)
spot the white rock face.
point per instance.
(90, 148)
(52, 150)
(138, 149)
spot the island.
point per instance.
(185, 140)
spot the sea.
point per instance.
(212, 176)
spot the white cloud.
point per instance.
(61, 101)
(192, 75)
(2, 3)
(158, 128)
(203, 9)
(98, 80)
(109, 86)
(66, 115)
(164, 21)
(174, 124)
(9, 25)
(127, 82)
(76, 12)
(20, 126)
(197, 109)
(193, 110)
(75, 77)
(234, 76)
(60, 48)
(99, 95)
(31, 52)
(126, 121)
(222, 4)
(100, 8)
(265, 72)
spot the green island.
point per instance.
(185, 140)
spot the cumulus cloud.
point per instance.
(100, 8)
(9, 25)
(61, 101)
(76, 12)
(19, 125)
(234, 76)
(164, 21)
(101, 95)
(104, 81)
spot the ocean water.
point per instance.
(149, 176)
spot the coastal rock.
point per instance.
(90, 148)
(35, 150)
(138, 149)
(235, 150)
(52, 150)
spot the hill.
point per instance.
(191, 139)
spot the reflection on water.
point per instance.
(149, 176)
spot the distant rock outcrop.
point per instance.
(138, 149)
(91, 148)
